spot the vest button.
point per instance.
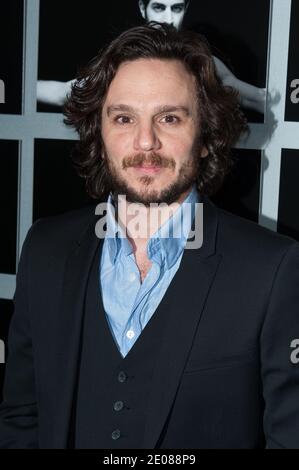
(115, 434)
(122, 376)
(118, 405)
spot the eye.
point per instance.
(170, 119)
(158, 7)
(122, 120)
(177, 9)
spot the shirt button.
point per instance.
(118, 405)
(130, 334)
(115, 434)
(122, 376)
(132, 277)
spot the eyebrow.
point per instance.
(179, 4)
(157, 110)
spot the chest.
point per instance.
(143, 264)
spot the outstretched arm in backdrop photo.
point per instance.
(172, 12)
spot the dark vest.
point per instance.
(110, 404)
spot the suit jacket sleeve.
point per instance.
(280, 375)
(18, 411)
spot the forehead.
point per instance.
(152, 80)
(167, 2)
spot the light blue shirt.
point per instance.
(128, 303)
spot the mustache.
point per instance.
(153, 159)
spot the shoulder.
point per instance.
(249, 240)
(63, 229)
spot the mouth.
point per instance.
(148, 169)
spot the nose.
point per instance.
(146, 138)
(168, 16)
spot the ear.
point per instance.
(103, 156)
(204, 152)
(142, 8)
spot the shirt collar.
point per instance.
(115, 233)
(171, 237)
(166, 243)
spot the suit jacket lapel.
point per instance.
(190, 288)
(68, 339)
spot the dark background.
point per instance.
(9, 162)
(292, 110)
(11, 55)
(288, 214)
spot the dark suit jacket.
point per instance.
(225, 377)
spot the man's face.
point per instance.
(164, 11)
(150, 128)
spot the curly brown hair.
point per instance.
(222, 121)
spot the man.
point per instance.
(164, 11)
(135, 340)
(170, 12)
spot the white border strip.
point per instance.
(26, 160)
(7, 286)
(276, 81)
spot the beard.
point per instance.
(187, 176)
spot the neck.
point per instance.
(140, 222)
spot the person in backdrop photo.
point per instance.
(172, 12)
